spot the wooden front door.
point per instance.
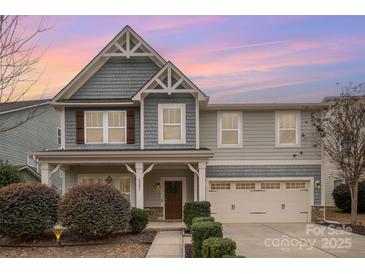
(173, 200)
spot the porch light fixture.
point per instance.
(158, 186)
(57, 231)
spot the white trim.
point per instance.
(142, 122)
(63, 127)
(309, 179)
(162, 192)
(297, 129)
(219, 130)
(170, 89)
(197, 125)
(99, 60)
(262, 162)
(106, 127)
(81, 104)
(182, 140)
(337, 179)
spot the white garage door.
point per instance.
(259, 201)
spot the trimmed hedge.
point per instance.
(27, 209)
(201, 231)
(94, 210)
(138, 221)
(203, 219)
(218, 247)
(342, 197)
(195, 209)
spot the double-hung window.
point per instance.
(105, 127)
(116, 127)
(287, 128)
(230, 129)
(171, 124)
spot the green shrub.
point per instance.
(203, 219)
(218, 247)
(201, 231)
(138, 221)
(27, 209)
(195, 209)
(94, 210)
(9, 174)
(342, 197)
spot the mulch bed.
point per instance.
(120, 245)
(188, 251)
(47, 239)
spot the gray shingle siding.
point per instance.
(223, 171)
(118, 78)
(70, 131)
(151, 119)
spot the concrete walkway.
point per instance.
(167, 244)
(168, 226)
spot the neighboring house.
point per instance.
(135, 120)
(39, 132)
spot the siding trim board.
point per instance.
(268, 171)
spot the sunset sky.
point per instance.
(231, 58)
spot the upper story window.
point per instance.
(171, 123)
(287, 127)
(230, 129)
(59, 136)
(105, 127)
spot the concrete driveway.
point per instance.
(294, 241)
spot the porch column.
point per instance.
(202, 181)
(139, 186)
(195, 187)
(45, 169)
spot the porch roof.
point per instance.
(123, 156)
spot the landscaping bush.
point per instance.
(195, 209)
(9, 174)
(201, 231)
(218, 247)
(342, 197)
(138, 221)
(27, 209)
(202, 219)
(94, 210)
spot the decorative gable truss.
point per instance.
(130, 45)
(170, 80)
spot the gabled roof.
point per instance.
(30, 170)
(127, 43)
(20, 105)
(170, 80)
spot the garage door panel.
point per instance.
(240, 205)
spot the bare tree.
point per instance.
(19, 58)
(342, 132)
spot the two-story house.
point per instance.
(135, 120)
(30, 126)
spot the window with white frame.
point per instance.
(105, 127)
(94, 127)
(116, 127)
(121, 182)
(338, 182)
(58, 136)
(287, 127)
(230, 129)
(171, 123)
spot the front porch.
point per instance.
(161, 185)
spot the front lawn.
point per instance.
(335, 214)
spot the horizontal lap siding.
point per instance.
(258, 138)
(118, 78)
(238, 171)
(70, 132)
(151, 119)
